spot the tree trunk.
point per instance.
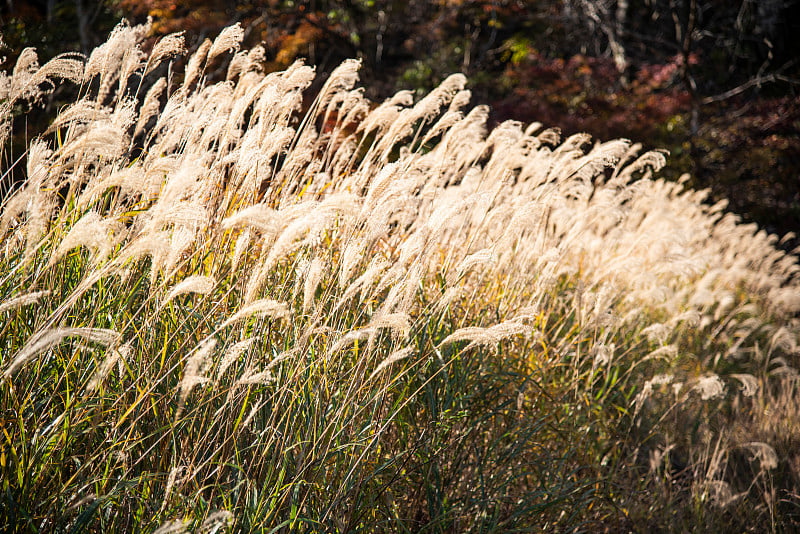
(83, 25)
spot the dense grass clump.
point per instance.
(225, 309)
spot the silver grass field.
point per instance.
(256, 305)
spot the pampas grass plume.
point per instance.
(261, 308)
(202, 285)
(23, 300)
(709, 387)
(396, 356)
(169, 45)
(228, 39)
(194, 371)
(764, 453)
(114, 356)
(91, 231)
(480, 336)
(50, 338)
(313, 276)
(233, 354)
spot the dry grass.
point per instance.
(224, 311)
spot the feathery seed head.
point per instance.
(261, 308)
(229, 38)
(47, 339)
(168, 46)
(396, 356)
(196, 366)
(709, 387)
(202, 285)
(23, 300)
(764, 453)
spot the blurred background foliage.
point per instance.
(715, 82)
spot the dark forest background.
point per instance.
(715, 82)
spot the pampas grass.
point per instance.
(399, 320)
